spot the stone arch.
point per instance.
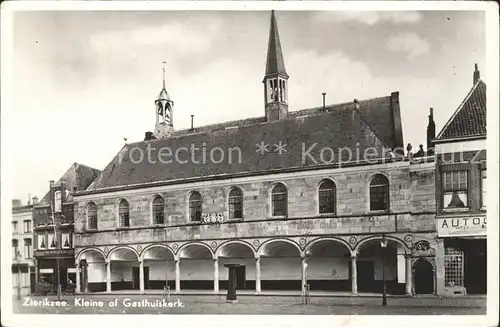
(149, 247)
(378, 237)
(327, 239)
(219, 248)
(415, 278)
(90, 249)
(126, 247)
(275, 240)
(186, 245)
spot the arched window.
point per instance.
(235, 204)
(326, 195)
(195, 203)
(379, 193)
(279, 200)
(92, 216)
(123, 213)
(158, 210)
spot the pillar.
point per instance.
(141, 276)
(78, 278)
(304, 274)
(257, 275)
(177, 276)
(108, 276)
(408, 276)
(216, 275)
(354, 276)
(37, 271)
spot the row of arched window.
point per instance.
(379, 201)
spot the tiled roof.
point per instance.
(340, 126)
(79, 176)
(470, 117)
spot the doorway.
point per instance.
(366, 276)
(135, 278)
(424, 277)
(241, 281)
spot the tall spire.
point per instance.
(164, 62)
(275, 63)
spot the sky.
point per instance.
(83, 81)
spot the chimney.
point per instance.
(431, 133)
(16, 203)
(192, 116)
(477, 75)
(29, 199)
(324, 105)
(35, 200)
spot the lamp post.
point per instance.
(383, 245)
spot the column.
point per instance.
(257, 275)
(408, 276)
(108, 276)
(141, 276)
(354, 276)
(177, 276)
(37, 271)
(78, 278)
(216, 275)
(304, 274)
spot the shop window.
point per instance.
(455, 189)
(454, 267)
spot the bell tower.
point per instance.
(164, 109)
(276, 78)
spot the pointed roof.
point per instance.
(275, 63)
(163, 93)
(469, 120)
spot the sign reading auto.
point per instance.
(463, 226)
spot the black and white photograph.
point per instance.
(238, 162)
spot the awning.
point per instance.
(72, 270)
(47, 271)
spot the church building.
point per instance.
(325, 198)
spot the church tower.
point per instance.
(276, 79)
(164, 108)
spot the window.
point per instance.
(484, 195)
(52, 241)
(27, 226)
(454, 267)
(42, 245)
(379, 193)
(279, 200)
(92, 216)
(28, 248)
(195, 204)
(14, 227)
(15, 250)
(123, 213)
(455, 189)
(326, 195)
(158, 210)
(66, 243)
(57, 201)
(235, 204)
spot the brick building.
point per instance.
(296, 197)
(55, 242)
(461, 195)
(22, 247)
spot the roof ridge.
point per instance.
(471, 91)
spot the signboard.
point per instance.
(461, 226)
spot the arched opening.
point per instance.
(195, 206)
(424, 277)
(124, 214)
(124, 268)
(375, 263)
(196, 267)
(158, 210)
(92, 216)
(281, 266)
(279, 200)
(235, 204)
(379, 193)
(238, 253)
(328, 266)
(326, 196)
(92, 271)
(161, 267)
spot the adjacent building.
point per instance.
(53, 224)
(22, 247)
(461, 196)
(325, 197)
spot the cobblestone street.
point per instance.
(191, 304)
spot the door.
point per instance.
(424, 277)
(241, 278)
(366, 276)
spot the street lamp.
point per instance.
(383, 245)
